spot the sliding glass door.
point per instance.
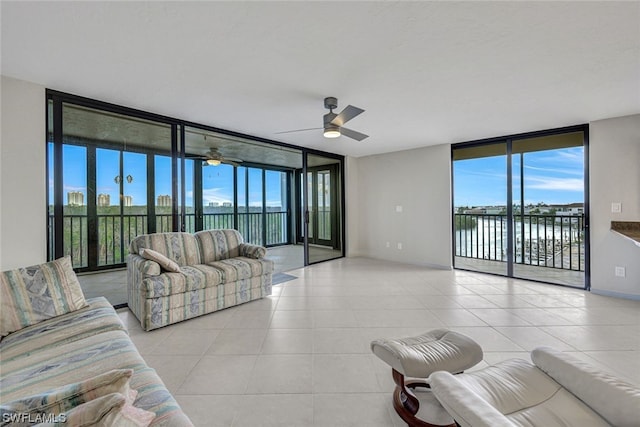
(321, 215)
(549, 216)
(520, 207)
(481, 221)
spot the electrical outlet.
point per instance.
(399, 208)
(399, 246)
(388, 244)
(621, 272)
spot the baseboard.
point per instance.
(420, 264)
(615, 294)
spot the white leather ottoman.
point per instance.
(418, 357)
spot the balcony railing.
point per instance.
(115, 232)
(555, 241)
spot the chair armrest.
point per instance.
(612, 398)
(466, 407)
(252, 251)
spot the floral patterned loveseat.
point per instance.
(176, 276)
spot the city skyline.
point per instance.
(217, 181)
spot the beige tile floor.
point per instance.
(301, 357)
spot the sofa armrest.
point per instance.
(466, 407)
(613, 399)
(252, 251)
(142, 266)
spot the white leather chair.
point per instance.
(555, 390)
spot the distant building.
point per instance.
(104, 200)
(213, 204)
(227, 204)
(570, 209)
(128, 201)
(476, 211)
(75, 198)
(164, 200)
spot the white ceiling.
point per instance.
(425, 72)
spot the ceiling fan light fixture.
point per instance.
(331, 132)
(213, 162)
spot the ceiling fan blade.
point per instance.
(297, 130)
(353, 134)
(232, 159)
(347, 114)
(229, 162)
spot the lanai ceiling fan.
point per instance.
(214, 158)
(334, 123)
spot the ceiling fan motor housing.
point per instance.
(331, 102)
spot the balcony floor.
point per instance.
(530, 272)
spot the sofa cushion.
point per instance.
(191, 277)
(99, 316)
(181, 248)
(217, 245)
(32, 294)
(162, 260)
(62, 399)
(73, 361)
(240, 268)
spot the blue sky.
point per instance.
(551, 177)
(217, 180)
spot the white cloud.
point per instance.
(573, 171)
(74, 188)
(555, 184)
(215, 195)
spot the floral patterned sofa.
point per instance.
(176, 276)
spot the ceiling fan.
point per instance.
(333, 123)
(214, 158)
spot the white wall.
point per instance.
(22, 175)
(417, 180)
(614, 166)
(351, 208)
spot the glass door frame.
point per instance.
(334, 220)
(508, 140)
(302, 196)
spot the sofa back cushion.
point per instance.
(612, 398)
(182, 248)
(217, 245)
(32, 294)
